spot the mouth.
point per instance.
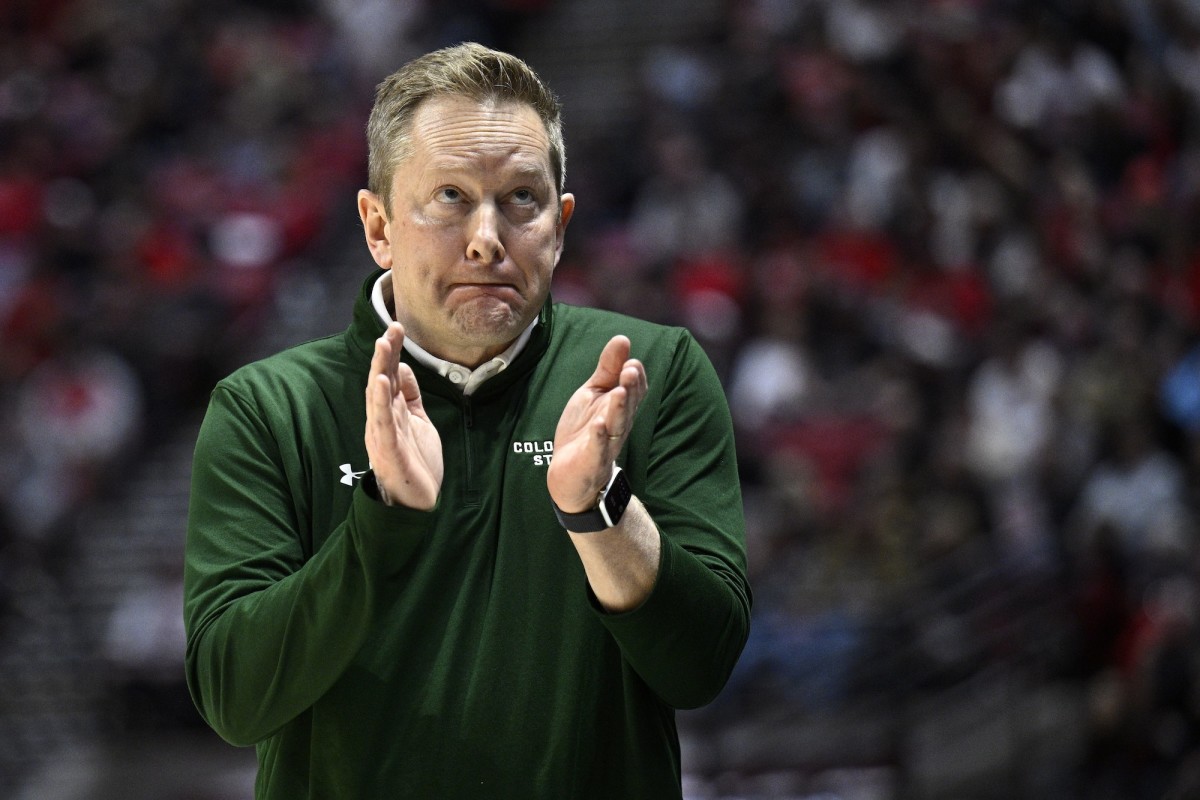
(501, 290)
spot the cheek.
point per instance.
(425, 245)
(538, 241)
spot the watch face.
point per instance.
(617, 498)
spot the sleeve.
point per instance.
(271, 627)
(685, 639)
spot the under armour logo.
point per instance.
(349, 475)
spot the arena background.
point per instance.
(943, 254)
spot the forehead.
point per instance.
(448, 130)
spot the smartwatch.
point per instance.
(614, 499)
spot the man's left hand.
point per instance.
(594, 426)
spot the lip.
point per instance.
(486, 288)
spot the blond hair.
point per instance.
(466, 70)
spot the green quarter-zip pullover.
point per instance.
(374, 652)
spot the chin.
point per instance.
(493, 325)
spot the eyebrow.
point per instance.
(518, 169)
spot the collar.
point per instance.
(465, 378)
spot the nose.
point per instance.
(484, 245)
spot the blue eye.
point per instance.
(448, 194)
(522, 197)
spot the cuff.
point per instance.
(388, 534)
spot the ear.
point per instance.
(566, 207)
(376, 227)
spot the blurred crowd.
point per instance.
(161, 164)
(942, 253)
(945, 255)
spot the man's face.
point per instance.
(474, 227)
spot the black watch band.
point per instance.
(608, 511)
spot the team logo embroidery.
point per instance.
(540, 452)
(349, 476)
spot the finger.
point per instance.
(386, 357)
(634, 384)
(380, 420)
(612, 358)
(394, 333)
(394, 336)
(615, 417)
(409, 389)
(378, 377)
(376, 407)
(379, 360)
(603, 433)
(633, 378)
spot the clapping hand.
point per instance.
(594, 426)
(402, 443)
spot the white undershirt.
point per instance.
(464, 378)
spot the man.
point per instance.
(545, 556)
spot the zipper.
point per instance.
(471, 490)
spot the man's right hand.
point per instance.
(404, 447)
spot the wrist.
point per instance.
(604, 512)
(579, 507)
(374, 489)
(573, 495)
